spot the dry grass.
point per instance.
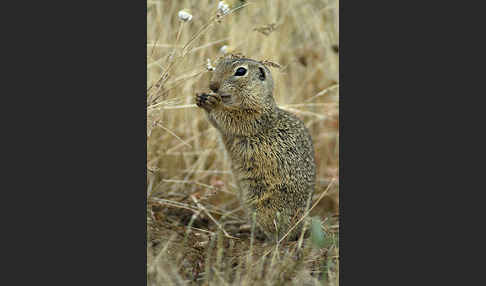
(193, 207)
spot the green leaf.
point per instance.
(318, 236)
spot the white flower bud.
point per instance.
(224, 49)
(209, 66)
(185, 16)
(223, 7)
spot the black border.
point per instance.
(411, 128)
(77, 171)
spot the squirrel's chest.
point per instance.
(252, 156)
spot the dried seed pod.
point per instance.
(271, 64)
(267, 29)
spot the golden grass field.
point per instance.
(192, 202)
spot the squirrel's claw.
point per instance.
(207, 101)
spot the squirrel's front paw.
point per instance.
(207, 101)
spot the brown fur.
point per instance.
(270, 149)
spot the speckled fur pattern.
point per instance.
(271, 151)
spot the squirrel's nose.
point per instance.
(214, 86)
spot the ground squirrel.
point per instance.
(271, 151)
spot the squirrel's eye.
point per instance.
(240, 72)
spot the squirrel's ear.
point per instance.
(261, 76)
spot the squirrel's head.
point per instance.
(243, 83)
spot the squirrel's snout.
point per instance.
(214, 86)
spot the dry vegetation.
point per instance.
(196, 231)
